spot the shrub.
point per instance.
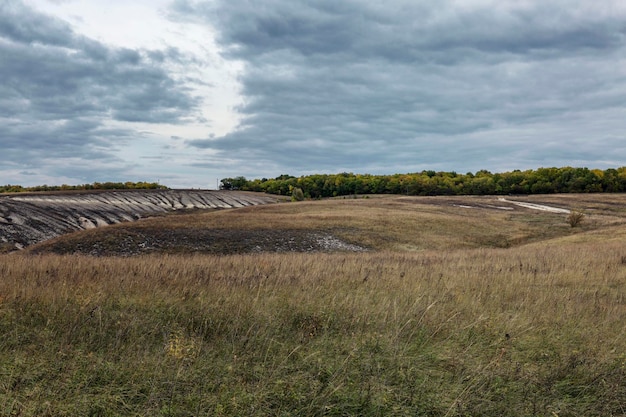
(575, 217)
(297, 194)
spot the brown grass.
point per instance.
(536, 322)
(388, 223)
(426, 325)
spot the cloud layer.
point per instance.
(323, 87)
(62, 94)
(411, 85)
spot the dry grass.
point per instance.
(388, 223)
(464, 329)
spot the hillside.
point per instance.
(363, 224)
(421, 306)
(29, 218)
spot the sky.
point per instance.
(187, 92)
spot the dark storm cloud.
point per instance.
(59, 90)
(408, 85)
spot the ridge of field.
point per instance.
(29, 218)
(377, 223)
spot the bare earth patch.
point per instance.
(130, 242)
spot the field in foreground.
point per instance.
(518, 320)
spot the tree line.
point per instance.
(94, 186)
(430, 183)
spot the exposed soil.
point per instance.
(27, 219)
(130, 242)
(492, 203)
(44, 222)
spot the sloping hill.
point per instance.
(383, 223)
(26, 219)
(459, 306)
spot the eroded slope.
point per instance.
(26, 219)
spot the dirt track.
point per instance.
(26, 219)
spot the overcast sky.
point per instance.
(185, 92)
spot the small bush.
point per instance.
(297, 194)
(575, 217)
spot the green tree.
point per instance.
(237, 183)
(297, 194)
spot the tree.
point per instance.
(237, 183)
(297, 194)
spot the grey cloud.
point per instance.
(405, 30)
(409, 84)
(20, 24)
(61, 90)
(61, 84)
(39, 141)
(168, 54)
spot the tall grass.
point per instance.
(519, 332)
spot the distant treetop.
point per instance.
(95, 186)
(483, 182)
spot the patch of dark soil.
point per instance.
(211, 241)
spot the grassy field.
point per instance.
(456, 307)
